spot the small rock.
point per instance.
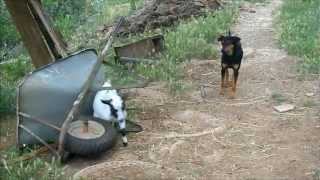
(284, 108)
(310, 94)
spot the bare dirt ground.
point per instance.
(220, 138)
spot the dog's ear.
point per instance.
(235, 39)
(106, 101)
(220, 38)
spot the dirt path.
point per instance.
(218, 138)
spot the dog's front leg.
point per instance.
(223, 73)
(234, 84)
(226, 81)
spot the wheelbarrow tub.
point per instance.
(48, 94)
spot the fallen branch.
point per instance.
(217, 130)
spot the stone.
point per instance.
(284, 108)
(309, 94)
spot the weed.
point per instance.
(316, 175)
(7, 96)
(10, 169)
(15, 70)
(309, 103)
(64, 23)
(9, 75)
(279, 98)
(8, 35)
(256, 1)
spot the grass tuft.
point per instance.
(10, 74)
(309, 103)
(10, 169)
(279, 98)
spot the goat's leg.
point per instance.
(122, 125)
(223, 73)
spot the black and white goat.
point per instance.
(108, 105)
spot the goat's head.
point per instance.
(118, 110)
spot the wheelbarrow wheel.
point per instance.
(90, 140)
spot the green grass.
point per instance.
(309, 103)
(316, 174)
(278, 98)
(10, 74)
(37, 169)
(102, 13)
(257, 1)
(299, 31)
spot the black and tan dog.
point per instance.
(231, 59)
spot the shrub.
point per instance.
(10, 74)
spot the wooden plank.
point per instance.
(58, 45)
(30, 32)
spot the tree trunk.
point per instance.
(43, 43)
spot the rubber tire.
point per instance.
(91, 147)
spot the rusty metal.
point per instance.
(146, 48)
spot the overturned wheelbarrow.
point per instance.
(54, 106)
(46, 98)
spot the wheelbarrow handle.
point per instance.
(110, 39)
